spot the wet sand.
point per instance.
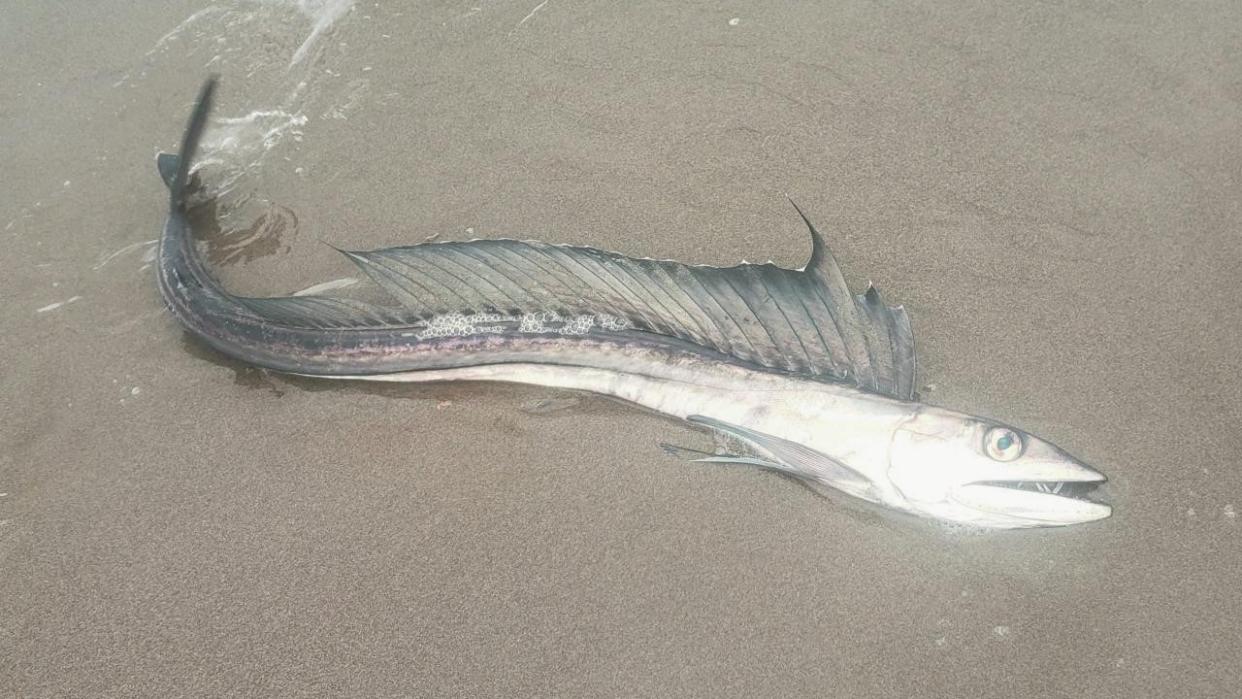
(1053, 194)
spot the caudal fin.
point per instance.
(175, 169)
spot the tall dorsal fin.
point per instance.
(801, 321)
(842, 306)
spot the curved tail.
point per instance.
(190, 291)
(175, 169)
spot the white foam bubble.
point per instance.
(460, 325)
(535, 323)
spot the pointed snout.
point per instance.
(1035, 495)
(1029, 508)
(1061, 469)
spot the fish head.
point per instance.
(978, 472)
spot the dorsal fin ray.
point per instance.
(835, 295)
(800, 321)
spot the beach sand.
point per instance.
(1054, 194)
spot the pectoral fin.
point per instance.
(790, 458)
(699, 456)
(704, 457)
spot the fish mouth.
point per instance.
(1036, 503)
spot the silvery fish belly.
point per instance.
(814, 381)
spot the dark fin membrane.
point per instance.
(168, 164)
(323, 312)
(804, 322)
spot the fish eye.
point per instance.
(1002, 444)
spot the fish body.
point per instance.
(817, 382)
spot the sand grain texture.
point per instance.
(1052, 191)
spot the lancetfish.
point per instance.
(814, 381)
